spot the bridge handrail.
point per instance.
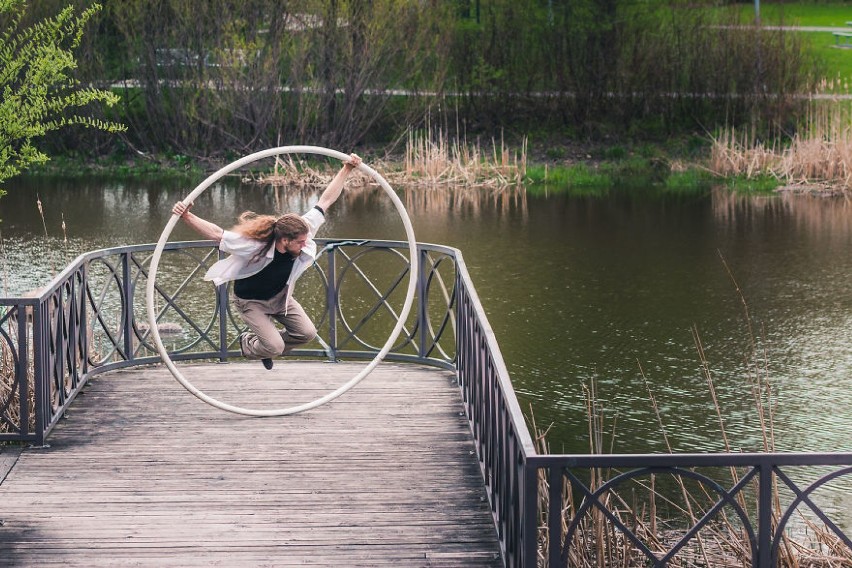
(528, 490)
(47, 337)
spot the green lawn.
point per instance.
(838, 61)
(826, 15)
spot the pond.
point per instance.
(639, 295)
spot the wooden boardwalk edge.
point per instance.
(8, 458)
(142, 473)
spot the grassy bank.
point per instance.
(78, 166)
(648, 168)
(817, 158)
(543, 167)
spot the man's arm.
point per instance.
(335, 188)
(204, 228)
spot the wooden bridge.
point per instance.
(427, 462)
(142, 473)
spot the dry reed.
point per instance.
(10, 396)
(437, 161)
(818, 157)
(10, 389)
(658, 517)
(11, 320)
(428, 162)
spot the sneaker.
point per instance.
(240, 341)
(267, 363)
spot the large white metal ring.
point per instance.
(403, 316)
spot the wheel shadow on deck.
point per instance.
(141, 472)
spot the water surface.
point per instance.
(618, 290)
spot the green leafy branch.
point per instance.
(38, 86)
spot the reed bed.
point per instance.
(11, 320)
(660, 508)
(438, 161)
(10, 395)
(429, 161)
(817, 158)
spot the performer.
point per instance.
(267, 256)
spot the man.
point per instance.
(267, 256)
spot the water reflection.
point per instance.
(577, 289)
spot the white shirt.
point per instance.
(240, 263)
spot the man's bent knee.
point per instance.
(263, 347)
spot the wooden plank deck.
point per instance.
(142, 473)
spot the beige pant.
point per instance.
(265, 339)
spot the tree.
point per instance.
(210, 78)
(38, 89)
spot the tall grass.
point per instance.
(579, 176)
(10, 389)
(817, 156)
(11, 349)
(434, 159)
(431, 160)
(660, 508)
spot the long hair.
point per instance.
(268, 228)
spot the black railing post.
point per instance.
(332, 302)
(128, 315)
(461, 332)
(84, 320)
(22, 370)
(554, 516)
(764, 511)
(422, 313)
(528, 514)
(41, 393)
(221, 292)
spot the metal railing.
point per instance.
(92, 318)
(547, 508)
(585, 510)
